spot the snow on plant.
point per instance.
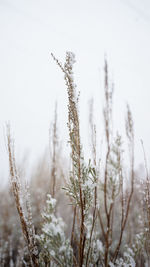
(130, 254)
(55, 247)
(126, 261)
(94, 248)
(139, 244)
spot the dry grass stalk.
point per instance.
(109, 208)
(74, 134)
(125, 213)
(107, 120)
(54, 152)
(147, 202)
(93, 142)
(26, 224)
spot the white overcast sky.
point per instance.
(30, 82)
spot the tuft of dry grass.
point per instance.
(102, 218)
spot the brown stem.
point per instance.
(125, 217)
(101, 224)
(93, 224)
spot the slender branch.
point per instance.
(93, 224)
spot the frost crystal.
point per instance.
(54, 245)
